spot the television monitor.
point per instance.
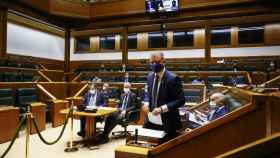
(153, 6)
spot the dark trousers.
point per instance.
(111, 122)
(83, 122)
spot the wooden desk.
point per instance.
(256, 119)
(57, 118)
(9, 120)
(90, 120)
(38, 110)
(266, 147)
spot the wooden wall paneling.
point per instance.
(97, 32)
(142, 41)
(200, 3)
(118, 42)
(207, 43)
(118, 8)
(169, 39)
(41, 5)
(272, 34)
(3, 32)
(9, 118)
(234, 36)
(125, 46)
(129, 7)
(67, 52)
(68, 8)
(144, 28)
(95, 43)
(199, 38)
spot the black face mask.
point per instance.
(157, 67)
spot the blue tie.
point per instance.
(154, 92)
(125, 98)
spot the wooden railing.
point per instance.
(253, 121)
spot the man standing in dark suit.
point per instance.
(93, 98)
(165, 97)
(128, 102)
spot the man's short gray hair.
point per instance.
(160, 54)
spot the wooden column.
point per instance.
(67, 53)
(124, 46)
(207, 43)
(3, 32)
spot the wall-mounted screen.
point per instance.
(162, 6)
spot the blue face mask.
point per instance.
(157, 67)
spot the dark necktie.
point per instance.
(125, 99)
(154, 92)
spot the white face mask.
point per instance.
(126, 90)
(212, 104)
(92, 91)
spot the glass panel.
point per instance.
(132, 41)
(82, 43)
(107, 42)
(251, 35)
(183, 38)
(220, 36)
(157, 40)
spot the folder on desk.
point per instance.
(144, 132)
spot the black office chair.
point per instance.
(130, 118)
(6, 97)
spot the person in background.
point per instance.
(219, 106)
(107, 92)
(165, 95)
(128, 102)
(198, 81)
(93, 98)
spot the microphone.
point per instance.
(136, 136)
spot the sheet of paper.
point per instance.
(193, 118)
(106, 108)
(150, 133)
(155, 119)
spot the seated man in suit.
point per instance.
(219, 105)
(107, 92)
(93, 98)
(128, 102)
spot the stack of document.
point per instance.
(144, 132)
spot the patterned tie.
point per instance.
(125, 98)
(154, 92)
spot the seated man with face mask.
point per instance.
(128, 102)
(93, 98)
(219, 106)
